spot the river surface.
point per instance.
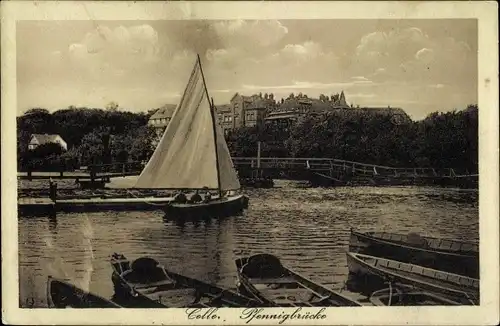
(308, 228)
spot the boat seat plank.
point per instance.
(152, 284)
(292, 296)
(278, 280)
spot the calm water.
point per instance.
(307, 228)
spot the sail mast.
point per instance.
(212, 114)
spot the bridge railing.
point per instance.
(118, 167)
(317, 164)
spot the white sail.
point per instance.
(228, 177)
(186, 156)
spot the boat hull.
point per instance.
(369, 274)
(289, 289)
(224, 207)
(396, 297)
(394, 246)
(61, 294)
(202, 294)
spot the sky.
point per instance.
(421, 66)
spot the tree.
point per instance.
(142, 147)
(112, 106)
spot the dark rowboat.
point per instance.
(218, 207)
(264, 278)
(61, 294)
(449, 255)
(145, 283)
(376, 272)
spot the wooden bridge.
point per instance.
(320, 171)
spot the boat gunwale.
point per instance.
(394, 273)
(213, 202)
(466, 254)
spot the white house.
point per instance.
(40, 139)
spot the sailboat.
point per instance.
(192, 155)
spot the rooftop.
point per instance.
(46, 138)
(166, 111)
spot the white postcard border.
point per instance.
(485, 12)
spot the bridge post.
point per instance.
(92, 173)
(258, 155)
(29, 175)
(52, 190)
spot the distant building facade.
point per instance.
(294, 107)
(161, 118)
(245, 111)
(258, 109)
(42, 139)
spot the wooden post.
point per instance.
(29, 175)
(52, 190)
(258, 155)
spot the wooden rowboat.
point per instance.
(217, 207)
(145, 283)
(265, 279)
(449, 255)
(61, 294)
(404, 295)
(376, 271)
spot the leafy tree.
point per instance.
(112, 106)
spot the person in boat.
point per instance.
(230, 193)
(196, 198)
(180, 197)
(208, 196)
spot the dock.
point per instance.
(47, 206)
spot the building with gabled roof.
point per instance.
(42, 139)
(162, 116)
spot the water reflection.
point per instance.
(307, 228)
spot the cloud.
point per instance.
(109, 53)
(249, 34)
(411, 55)
(360, 78)
(425, 55)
